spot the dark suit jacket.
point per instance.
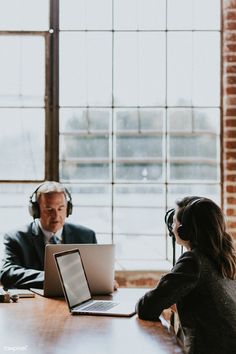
(24, 254)
(206, 304)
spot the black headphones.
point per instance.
(169, 220)
(34, 209)
(182, 229)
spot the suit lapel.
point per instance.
(67, 236)
(38, 244)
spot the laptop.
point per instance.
(98, 260)
(77, 292)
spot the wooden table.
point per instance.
(45, 326)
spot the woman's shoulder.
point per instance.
(190, 256)
(197, 260)
(190, 261)
(194, 255)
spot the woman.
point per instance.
(202, 283)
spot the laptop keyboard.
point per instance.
(100, 306)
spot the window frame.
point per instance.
(52, 108)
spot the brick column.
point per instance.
(229, 113)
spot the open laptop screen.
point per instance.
(74, 278)
(77, 291)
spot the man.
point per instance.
(49, 205)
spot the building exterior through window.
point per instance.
(120, 101)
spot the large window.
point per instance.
(119, 100)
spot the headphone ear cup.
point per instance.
(187, 214)
(34, 209)
(33, 206)
(69, 208)
(69, 203)
(182, 234)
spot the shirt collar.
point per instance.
(48, 234)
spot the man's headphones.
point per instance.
(183, 228)
(34, 209)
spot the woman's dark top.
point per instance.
(206, 304)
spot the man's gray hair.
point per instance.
(50, 187)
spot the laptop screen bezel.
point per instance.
(64, 253)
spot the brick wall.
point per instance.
(229, 113)
(138, 279)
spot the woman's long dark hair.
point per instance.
(206, 230)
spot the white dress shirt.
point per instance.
(48, 234)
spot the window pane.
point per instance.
(139, 171)
(85, 69)
(145, 247)
(139, 221)
(194, 171)
(84, 144)
(139, 69)
(145, 120)
(86, 14)
(194, 146)
(206, 69)
(194, 120)
(179, 71)
(83, 171)
(138, 209)
(194, 156)
(24, 15)
(90, 146)
(193, 14)
(92, 207)
(193, 71)
(177, 191)
(22, 144)
(86, 121)
(140, 14)
(207, 14)
(179, 14)
(22, 71)
(14, 199)
(207, 119)
(139, 144)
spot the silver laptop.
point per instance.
(98, 260)
(76, 289)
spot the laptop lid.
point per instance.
(98, 261)
(76, 289)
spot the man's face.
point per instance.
(53, 208)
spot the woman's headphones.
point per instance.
(34, 209)
(183, 229)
